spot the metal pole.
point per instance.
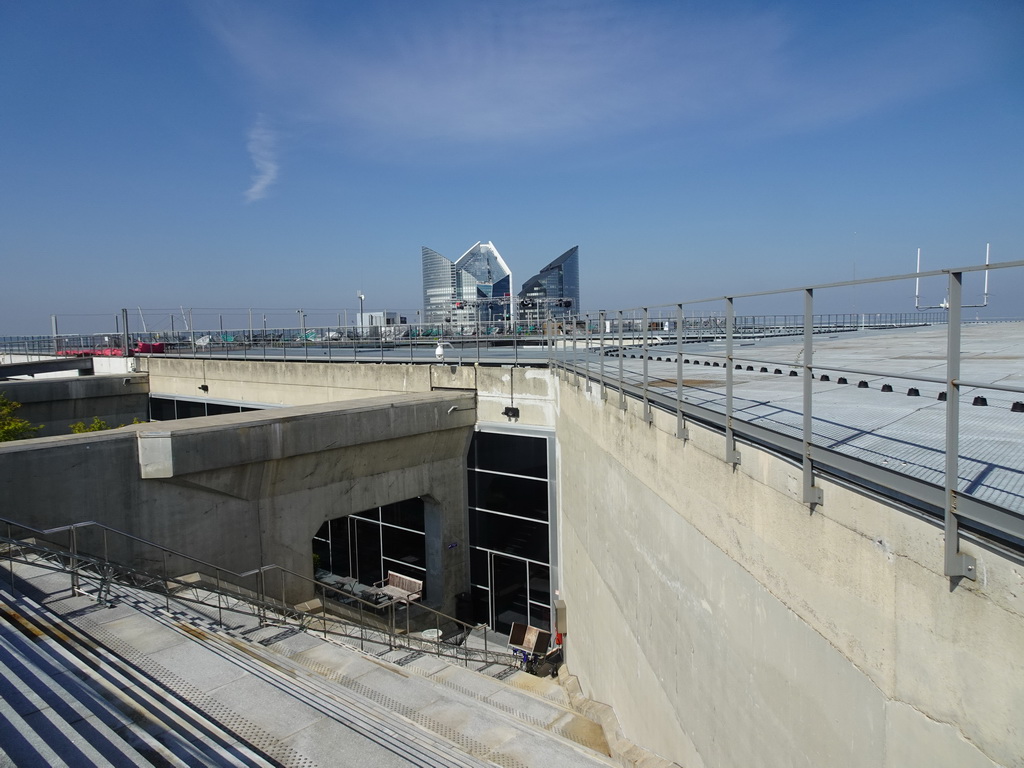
(602, 320)
(956, 563)
(124, 339)
(811, 495)
(622, 390)
(74, 561)
(575, 362)
(731, 454)
(10, 562)
(515, 341)
(681, 431)
(646, 356)
(586, 349)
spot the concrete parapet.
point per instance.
(56, 403)
(278, 382)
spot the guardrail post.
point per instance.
(681, 431)
(957, 563)
(10, 559)
(646, 356)
(74, 560)
(602, 325)
(575, 362)
(391, 624)
(586, 349)
(622, 389)
(261, 586)
(811, 494)
(732, 456)
(167, 591)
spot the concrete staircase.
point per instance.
(137, 681)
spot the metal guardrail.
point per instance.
(463, 344)
(364, 623)
(957, 510)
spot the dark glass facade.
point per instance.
(168, 408)
(475, 289)
(511, 533)
(367, 545)
(554, 292)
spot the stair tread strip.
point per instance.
(379, 726)
(169, 724)
(32, 688)
(361, 712)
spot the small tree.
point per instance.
(11, 427)
(98, 425)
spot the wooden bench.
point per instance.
(400, 587)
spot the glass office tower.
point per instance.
(475, 288)
(554, 292)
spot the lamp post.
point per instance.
(361, 297)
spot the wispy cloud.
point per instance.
(478, 73)
(261, 146)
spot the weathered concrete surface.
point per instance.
(729, 626)
(279, 382)
(59, 402)
(292, 383)
(242, 490)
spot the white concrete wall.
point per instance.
(727, 625)
(279, 383)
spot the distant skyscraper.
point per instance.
(554, 291)
(477, 286)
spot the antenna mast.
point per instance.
(944, 304)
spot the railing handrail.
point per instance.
(263, 569)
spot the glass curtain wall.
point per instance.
(169, 409)
(367, 545)
(510, 529)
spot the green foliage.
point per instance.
(98, 425)
(11, 427)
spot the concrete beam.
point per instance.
(32, 367)
(185, 447)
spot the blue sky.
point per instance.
(287, 154)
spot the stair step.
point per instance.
(432, 710)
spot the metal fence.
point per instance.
(472, 342)
(617, 350)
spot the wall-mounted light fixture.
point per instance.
(204, 387)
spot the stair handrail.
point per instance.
(262, 600)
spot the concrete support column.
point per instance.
(447, 544)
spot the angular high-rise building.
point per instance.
(554, 291)
(476, 287)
